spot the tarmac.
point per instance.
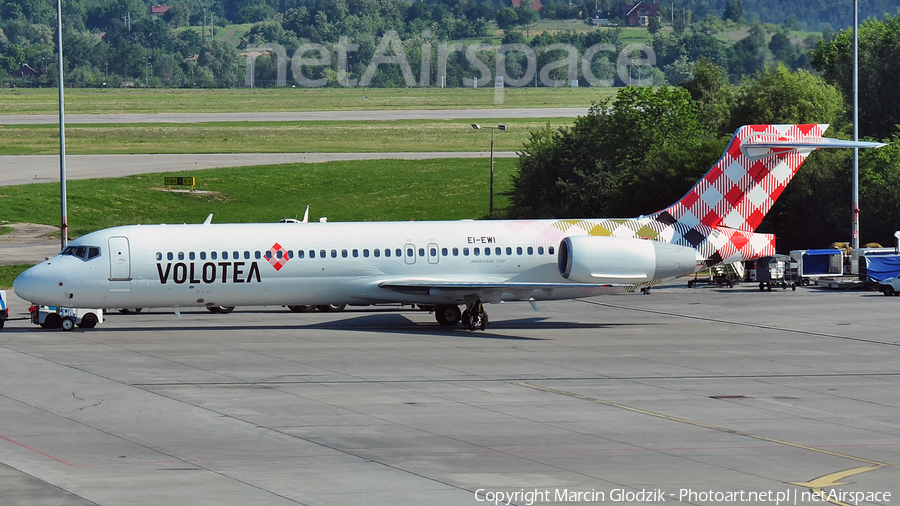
(706, 395)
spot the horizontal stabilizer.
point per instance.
(761, 145)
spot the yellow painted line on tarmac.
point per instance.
(831, 480)
(875, 464)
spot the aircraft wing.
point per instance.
(462, 287)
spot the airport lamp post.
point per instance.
(498, 127)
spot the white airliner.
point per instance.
(439, 264)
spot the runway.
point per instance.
(26, 169)
(383, 115)
(684, 395)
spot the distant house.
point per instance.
(158, 10)
(534, 3)
(26, 72)
(640, 13)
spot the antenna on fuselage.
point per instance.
(306, 215)
(208, 219)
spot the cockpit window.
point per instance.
(83, 252)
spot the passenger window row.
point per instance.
(354, 253)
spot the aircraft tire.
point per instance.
(332, 308)
(447, 315)
(52, 321)
(67, 324)
(130, 310)
(88, 321)
(308, 308)
(484, 321)
(225, 309)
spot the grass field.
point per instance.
(8, 274)
(130, 100)
(274, 137)
(375, 190)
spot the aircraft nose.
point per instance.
(24, 285)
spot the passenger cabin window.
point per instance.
(366, 253)
(171, 257)
(312, 253)
(192, 256)
(343, 253)
(540, 250)
(518, 250)
(530, 250)
(387, 252)
(247, 255)
(158, 256)
(465, 252)
(377, 253)
(487, 251)
(202, 255)
(508, 250)
(477, 251)
(456, 252)
(212, 255)
(299, 253)
(443, 251)
(550, 250)
(399, 252)
(181, 255)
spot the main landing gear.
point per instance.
(473, 318)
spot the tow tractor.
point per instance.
(65, 318)
(4, 311)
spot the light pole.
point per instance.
(498, 127)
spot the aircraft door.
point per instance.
(119, 259)
(433, 253)
(409, 254)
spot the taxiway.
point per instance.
(710, 390)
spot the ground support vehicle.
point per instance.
(817, 263)
(4, 311)
(776, 271)
(890, 286)
(65, 318)
(722, 275)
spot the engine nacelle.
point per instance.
(602, 259)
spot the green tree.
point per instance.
(654, 25)
(709, 87)
(750, 53)
(879, 195)
(781, 96)
(635, 154)
(879, 52)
